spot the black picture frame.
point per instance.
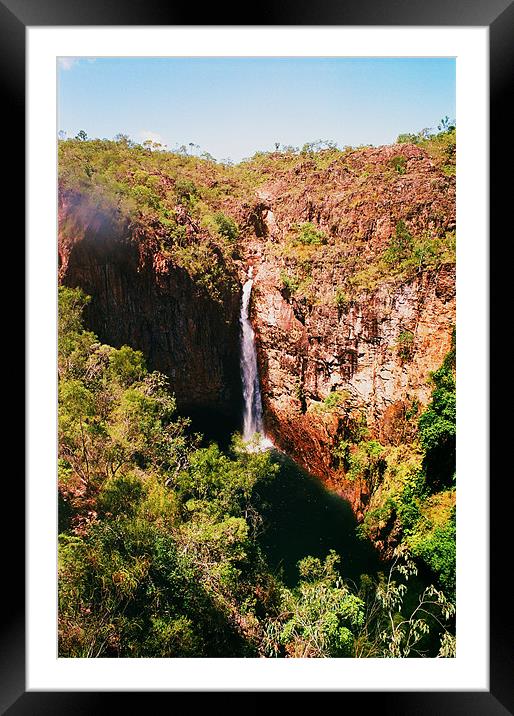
(498, 16)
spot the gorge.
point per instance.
(307, 297)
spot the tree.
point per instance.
(446, 125)
(124, 139)
(437, 425)
(81, 136)
(127, 365)
(321, 614)
(400, 245)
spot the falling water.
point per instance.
(252, 416)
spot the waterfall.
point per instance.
(252, 415)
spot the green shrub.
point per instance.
(437, 550)
(308, 234)
(127, 365)
(437, 426)
(400, 245)
(367, 462)
(408, 139)
(341, 299)
(185, 191)
(290, 283)
(398, 163)
(405, 345)
(120, 495)
(324, 615)
(336, 399)
(226, 226)
(375, 520)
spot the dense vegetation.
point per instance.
(159, 551)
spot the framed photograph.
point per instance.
(296, 245)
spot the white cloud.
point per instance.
(152, 136)
(66, 63)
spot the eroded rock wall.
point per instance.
(140, 298)
(354, 352)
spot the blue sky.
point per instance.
(233, 107)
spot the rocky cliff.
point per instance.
(141, 298)
(354, 355)
(331, 355)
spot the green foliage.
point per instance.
(129, 591)
(308, 234)
(408, 138)
(445, 127)
(400, 245)
(413, 493)
(436, 547)
(336, 399)
(407, 255)
(186, 192)
(408, 630)
(354, 430)
(405, 345)
(324, 615)
(341, 299)
(121, 495)
(290, 283)
(312, 148)
(73, 342)
(157, 556)
(336, 402)
(437, 425)
(127, 365)
(224, 485)
(378, 519)
(367, 462)
(72, 302)
(226, 226)
(440, 145)
(410, 502)
(398, 163)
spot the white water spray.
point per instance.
(252, 415)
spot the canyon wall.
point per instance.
(312, 347)
(353, 353)
(142, 299)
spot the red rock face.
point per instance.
(353, 352)
(360, 197)
(307, 351)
